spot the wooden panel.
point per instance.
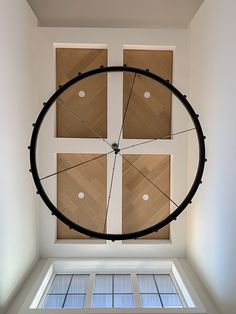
(92, 108)
(147, 118)
(91, 179)
(138, 213)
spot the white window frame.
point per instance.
(113, 265)
(134, 284)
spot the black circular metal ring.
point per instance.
(109, 236)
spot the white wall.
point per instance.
(211, 220)
(114, 39)
(18, 232)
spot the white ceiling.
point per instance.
(115, 13)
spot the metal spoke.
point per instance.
(60, 101)
(126, 109)
(110, 191)
(149, 180)
(156, 139)
(77, 165)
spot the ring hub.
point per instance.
(115, 148)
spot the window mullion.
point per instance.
(67, 291)
(135, 288)
(113, 291)
(89, 291)
(158, 292)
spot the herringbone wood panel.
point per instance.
(92, 108)
(147, 118)
(91, 179)
(137, 213)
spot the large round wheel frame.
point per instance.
(109, 236)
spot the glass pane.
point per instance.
(53, 301)
(165, 284)
(102, 300)
(122, 284)
(123, 300)
(60, 284)
(150, 300)
(78, 284)
(74, 301)
(171, 300)
(146, 284)
(103, 284)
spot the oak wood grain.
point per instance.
(92, 107)
(138, 213)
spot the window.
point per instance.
(66, 291)
(158, 291)
(113, 291)
(113, 285)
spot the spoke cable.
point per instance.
(149, 180)
(156, 139)
(77, 165)
(81, 121)
(110, 191)
(126, 109)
